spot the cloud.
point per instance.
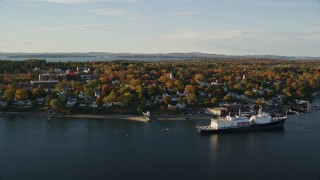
(190, 36)
(187, 14)
(116, 12)
(101, 27)
(278, 3)
(127, 14)
(246, 42)
(23, 42)
(290, 43)
(88, 1)
(285, 37)
(13, 42)
(95, 27)
(197, 36)
(287, 4)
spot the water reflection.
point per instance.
(221, 145)
(214, 146)
(214, 142)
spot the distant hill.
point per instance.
(159, 55)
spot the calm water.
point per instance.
(33, 148)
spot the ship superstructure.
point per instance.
(228, 124)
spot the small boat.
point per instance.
(147, 115)
(165, 129)
(315, 107)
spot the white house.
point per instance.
(181, 105)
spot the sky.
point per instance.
(231, 27)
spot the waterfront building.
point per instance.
(219, 111)
(45, 84)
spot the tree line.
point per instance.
(160, 84)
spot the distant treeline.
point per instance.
(26, 66)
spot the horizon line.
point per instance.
(159, 53)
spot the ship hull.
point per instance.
(254, 127)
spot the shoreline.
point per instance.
(110, 116)
(88, 116)
(168, 117)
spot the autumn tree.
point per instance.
(113, 96)
(38, 92)
(227, 98)
(125, 98)
(94, 84)
(214, 100)
(166, 99)
(191, 98)
(9, 95)
(54, 104)
(61, 86)
(199, 77)
(163, 78)
(189, 89)
(142, 92)
(135, 82)
(106, 89)
(179, 84)
(76, 86)
(169, 84)
(21, 94)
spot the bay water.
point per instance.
(31, 147)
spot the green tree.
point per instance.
(49, 97)
(139, 109)
(89, 93)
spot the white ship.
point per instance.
(237, 123)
